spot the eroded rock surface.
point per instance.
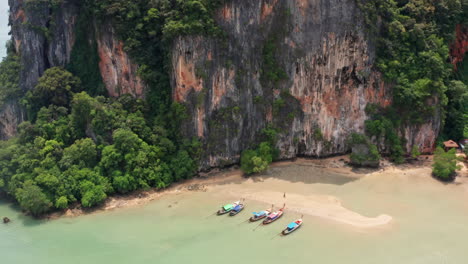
(322, 48)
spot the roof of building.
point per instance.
(450, 144)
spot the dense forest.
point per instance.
(79, 145)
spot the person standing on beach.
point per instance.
(284, 195)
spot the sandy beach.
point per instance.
(285, 178)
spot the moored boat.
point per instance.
(227, 208)
(293, 226)
(274, 216)
(237, 209)
(260, 215)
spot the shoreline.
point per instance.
(327, 207)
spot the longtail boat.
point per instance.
(293, 226)
(237, 209)
(274, 216)
(260, 215)
(227, 208)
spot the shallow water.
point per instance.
(429, 226)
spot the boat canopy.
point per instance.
(292, 225)
(227, 207)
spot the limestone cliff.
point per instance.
(44, 36)
(10, 116)
(330, 78)
(117, 70)
(304, 67)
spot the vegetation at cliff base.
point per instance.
(445, 164)
(364, 153)
(258, 160)
(79, 148)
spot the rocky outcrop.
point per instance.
(118, 72)
(459, 48)
(302, 67)
(44, 36)
(11, 115)
(322, 48)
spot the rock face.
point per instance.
(460, 47)
(45, 35)
(41, 45)
(303, 67)
(321, 47)
(10, 116)
(117, 70)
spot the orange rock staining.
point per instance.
(267, 8)
(118, 72)
(185, 79)
(460, 47)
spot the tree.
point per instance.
(123, 183)
(126, 141)
(61, 202)
(82, 153)
(55, 87)
(364, 153)
(445, 164)
(32, 198)
(256, 161)
(183, 166)
(91, 194)
(80, 117)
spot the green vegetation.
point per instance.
(55, 87)
(80, 148)
(364, 152)
(147, 29)
(383, 125)
(9, 76)
(256, 161)
(86, 67)
(456, 124)
(445, 164)
(415, 152)
(271, 71)
(412, 44)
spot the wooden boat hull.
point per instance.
(255, 219)
(269, 221)
(287, 232)
(222, 212)
(233, 212)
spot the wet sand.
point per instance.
(284, 177)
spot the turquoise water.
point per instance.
(430, 225)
